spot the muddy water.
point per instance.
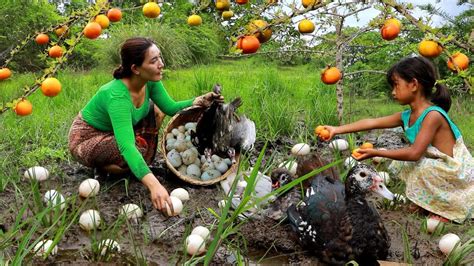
(158, 240)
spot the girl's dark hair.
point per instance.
(424, 72)
(132, 52)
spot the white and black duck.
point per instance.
(222, 131)
(336, 222)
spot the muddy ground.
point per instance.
(159, 239)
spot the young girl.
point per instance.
(437, 167)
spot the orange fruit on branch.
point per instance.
(42, 39)
(5, 73)
(306, 26)
(241, 2)
(248, 44)
(429, 48)
(390, 31)
(260, 29)
(103, 21)
(114, 14)
(393, 21)
(92, 30)
(55, 51)
(23, 108)
(331, 75)
(226, 15)
(51, 87)
(194, 20)
(222, 5)
(307, 3)
(458, 59)
(151, 10)
(61, 30)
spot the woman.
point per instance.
(118, 128)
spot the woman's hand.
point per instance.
(207, 99)
(158, 194)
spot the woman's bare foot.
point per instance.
(115, 169)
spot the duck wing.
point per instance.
(243, 134)
(224, 119)
(317, 219)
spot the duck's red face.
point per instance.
(365, 178)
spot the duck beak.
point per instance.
(380, 188)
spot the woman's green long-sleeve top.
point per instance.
(112, 109)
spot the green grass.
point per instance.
(287, 101)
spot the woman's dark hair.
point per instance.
(132, 52)
(424, 72)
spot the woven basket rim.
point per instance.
(194, 181)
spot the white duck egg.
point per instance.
(174, 158)
(215, 158)
(170, 141)
(182, 169)
(447, 243)
(300, 149)
(206, 176)
(43, 246)
(181, 129)
(201, 231)
(177, 206)
(197, 162)
(195, 245)
(189, 144)
(431, 224)
(187, 138)
(180, 136)
(188, 157)
(53, 198)
(350, 162)
(131, 211)
(89, 188)
(339, 145)
(193, 171)
(37, 172)
(169, 136)
(214, 173)
(221, 166)
(107, 246)
(291, 166)
(175, 131)
(89, 220)
(180, 193)
(190, 126)
(221, 204)
(242, 184)
(385, 176)
(206, 166)
(180, 145)
(228, 161)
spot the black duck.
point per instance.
(337, 223)
(222, 131)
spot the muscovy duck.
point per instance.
(337, 223)
(221, 130)
(311, 161)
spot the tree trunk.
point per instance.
(340, 66)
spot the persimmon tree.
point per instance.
(251, 26)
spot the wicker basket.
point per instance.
(192, 115)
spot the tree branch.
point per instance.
(364, 71)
